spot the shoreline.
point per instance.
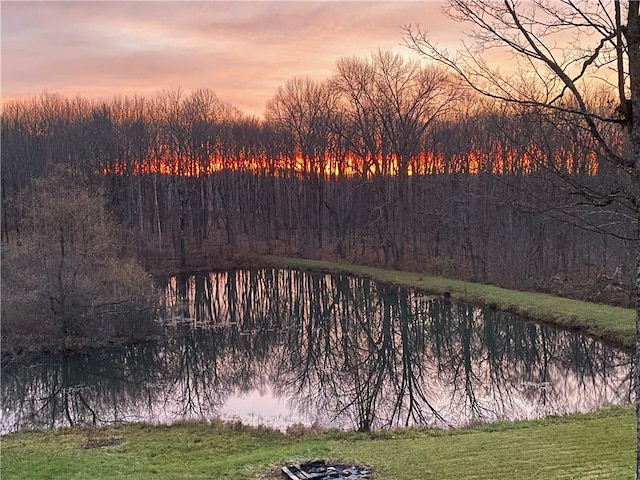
(604, 438)
(610, 324)
(613, 325)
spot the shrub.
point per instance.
(65, 273)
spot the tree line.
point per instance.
(388, 161)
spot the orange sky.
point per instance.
(242, 50)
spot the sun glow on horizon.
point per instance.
(498, 161)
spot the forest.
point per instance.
(171, 248)
(389, 162)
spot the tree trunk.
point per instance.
(636, 376)
(632, 33)
(183, 233)
(157, 209)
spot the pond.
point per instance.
(281, 347)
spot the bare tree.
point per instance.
(304, 109)
(68, 256)
(563, 52)
(388, 105)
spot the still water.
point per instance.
(281, 347)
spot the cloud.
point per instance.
(242, 50)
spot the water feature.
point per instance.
(281, 347)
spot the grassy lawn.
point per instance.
(598, 445)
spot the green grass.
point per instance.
(613, 324)
(598, 445)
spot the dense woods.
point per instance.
(387, 162)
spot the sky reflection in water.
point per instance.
(278, 347)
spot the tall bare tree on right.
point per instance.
(575, 64)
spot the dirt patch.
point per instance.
(101, 442)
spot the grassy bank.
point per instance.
(598, 445)
(613, 324)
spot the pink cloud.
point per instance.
(241, 50)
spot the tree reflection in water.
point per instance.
(342, 351)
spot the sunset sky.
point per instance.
(241, 50)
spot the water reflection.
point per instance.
(278, 347)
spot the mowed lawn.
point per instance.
(598, 445)
(594, 446)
